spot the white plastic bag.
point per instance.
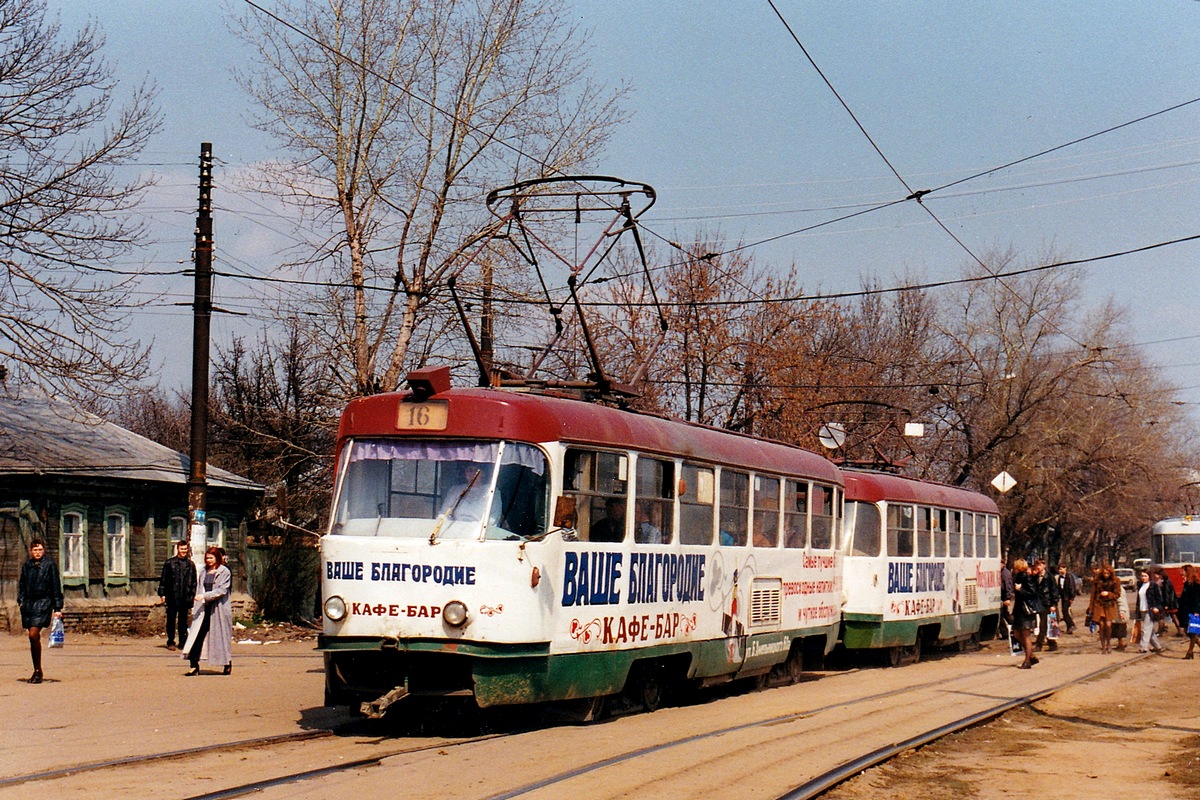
(57, 635)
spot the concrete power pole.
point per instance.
(197, 483)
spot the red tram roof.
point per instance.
(532, 418)
(873, 487)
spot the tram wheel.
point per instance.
(903, 655)
(650, 689)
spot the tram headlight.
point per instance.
(454, 614)
(335, 608)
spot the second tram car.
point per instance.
(922, 565)
(1173, 543)
(521, 547)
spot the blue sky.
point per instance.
(737, 132)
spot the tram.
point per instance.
(521, 547)
(1174, 542)
(921, 565)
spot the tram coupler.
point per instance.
(375, 709)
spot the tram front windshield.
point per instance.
(1176, 548)
(444, 490)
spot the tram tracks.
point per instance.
(327, 753)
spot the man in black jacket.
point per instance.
(1067, 591)
(177, 588)
(40, 598)
(1047, 590)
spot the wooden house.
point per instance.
(108, 502)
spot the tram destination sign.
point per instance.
(431, 416)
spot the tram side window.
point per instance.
(924, 534)
(993, 536)
(735, 507)
(822, 517)
(968, 535)
(766, 511)
(981, 550)
(900, 530)
(696, 499)
(866, 526)
(795, 513)
(599, 480)
(654, 504)
(938, 524)
(954, 529)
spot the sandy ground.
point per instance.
(1133, 732)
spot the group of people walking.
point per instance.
(1028, 596)
(202, 595)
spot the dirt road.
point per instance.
(109, 698)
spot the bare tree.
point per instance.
(64, 215)
(399, 117)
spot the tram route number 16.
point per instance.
(422, 416)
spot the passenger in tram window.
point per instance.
(612, 527)
(648, 526)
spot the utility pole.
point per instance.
(197, 483)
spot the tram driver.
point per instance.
(465, 495)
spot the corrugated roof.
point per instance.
(48, 437)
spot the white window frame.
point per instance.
(116, 545)
(177, 530)
(74, 554)
(211, 540)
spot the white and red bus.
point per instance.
(922, 565)
(523, 547)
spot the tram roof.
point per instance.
(874, 487)
(1177, 525)
(533, 418)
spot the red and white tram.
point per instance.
(522, 547)
(1173, 543)
(922, 565)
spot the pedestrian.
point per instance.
(1189, 607)
(1102, 607)
(40, 598)
(1170, 603)
(177, 588)
(1006, 601)
(1149, 611)
(211, 636)
(1120, 626)
(1068, 590)
(1047, 591)
(1026, 607)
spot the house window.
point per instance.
(216, 533)
(178, 528)
(116, 544)
(73, 547)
